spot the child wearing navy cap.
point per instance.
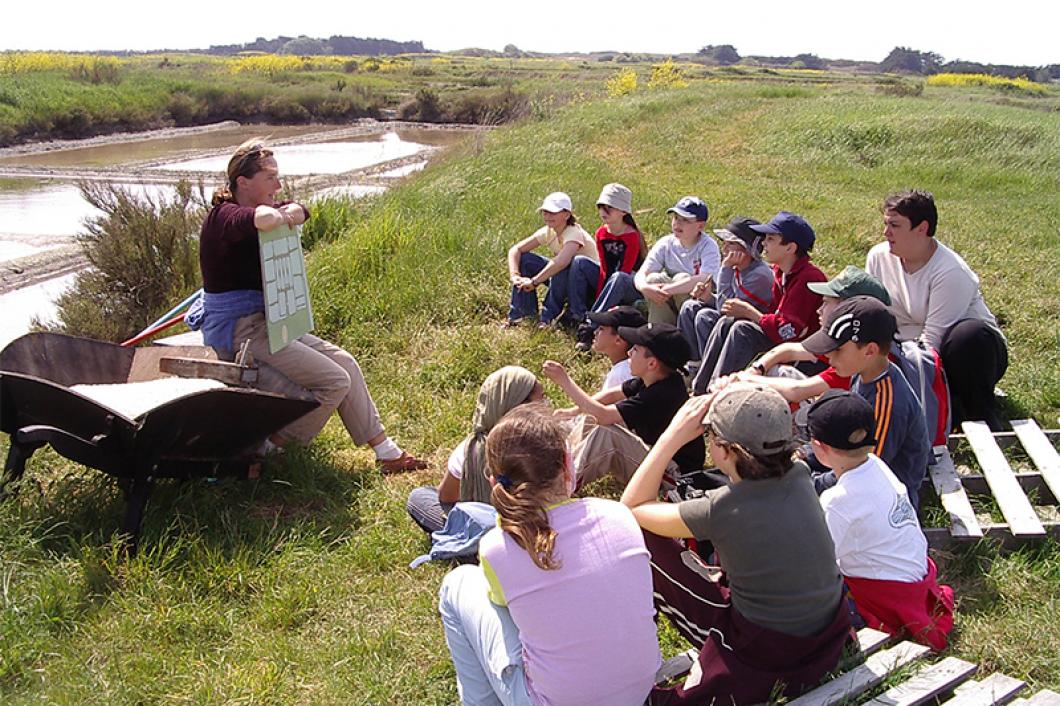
(743, 331)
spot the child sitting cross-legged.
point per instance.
(776, 622)
(560, 609)
(879, 546)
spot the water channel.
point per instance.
(41, 208)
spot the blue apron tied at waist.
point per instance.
(216, 315)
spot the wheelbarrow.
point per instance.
(115, 410)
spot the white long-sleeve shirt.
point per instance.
(927, 302)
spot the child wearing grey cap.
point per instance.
(778, 621)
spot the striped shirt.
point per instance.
(901, 436)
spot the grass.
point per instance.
(294, 588)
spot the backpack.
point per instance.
(922, 368)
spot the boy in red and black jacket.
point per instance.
(743, 332)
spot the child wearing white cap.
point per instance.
(571, 247)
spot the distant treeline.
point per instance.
(310, 46)
(900, 60)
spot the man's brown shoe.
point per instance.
(401, 464)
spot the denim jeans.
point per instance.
(732, 345)
(696, 320)
(426, 510)
(618, 290)
(483, 641)
(567, 284)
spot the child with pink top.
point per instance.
(560, 608)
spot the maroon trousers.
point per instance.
(739, 662)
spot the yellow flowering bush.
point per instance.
(18, 62)
(999, 82)
(667, 75)
(622, 84)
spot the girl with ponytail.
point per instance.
(559, 609)
(232, 309)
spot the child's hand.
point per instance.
(721, 383)
(739, 309)
(555, 372)
(654, 293)
(566, 412)
(687, 424)
(703, 290)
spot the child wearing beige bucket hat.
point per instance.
(621, 249)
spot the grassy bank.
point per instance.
(294, 589)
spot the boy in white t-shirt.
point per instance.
(606, 341)
(678, 262)
(879, 547)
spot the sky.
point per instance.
(1019, 32)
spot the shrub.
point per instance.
(332, 217)
(894, 86)
(667, 75)
(1018, 85)
(144, 256)
(101, 70)
(622, 84)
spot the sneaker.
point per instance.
(401, 464)
(543, 325)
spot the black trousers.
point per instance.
(975, 357)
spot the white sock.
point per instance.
(387, 450)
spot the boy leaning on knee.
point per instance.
(879, 546)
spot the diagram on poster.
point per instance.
(286, 288)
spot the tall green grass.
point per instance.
(295, 588)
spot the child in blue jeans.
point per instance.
(560, 608)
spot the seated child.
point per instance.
(743, 331)
(776, 621)
(743, 275)
(502, 391)
(560, 609)
(607, 342)
(678, 262)
(856, 339)
(618, 424)
(794, 386)
(621, 250)
(572, 249)
(881, 551)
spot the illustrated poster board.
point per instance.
(286, 288)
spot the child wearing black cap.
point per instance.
(856, 339)
(619, 424)
(606, 341)
(879, 546)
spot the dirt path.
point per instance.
(39, 267)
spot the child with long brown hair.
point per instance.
(560, 608)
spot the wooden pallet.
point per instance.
(948, 681)
(996, 479)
